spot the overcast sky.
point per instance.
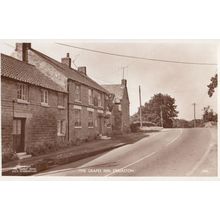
(185, 83)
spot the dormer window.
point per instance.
(44, 96)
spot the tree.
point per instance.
(160, 105)
(212, 85)
(209, 115)
(180, 123)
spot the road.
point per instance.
(171, 152)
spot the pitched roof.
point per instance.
(71, 73)
(116, 89)
(21, 71)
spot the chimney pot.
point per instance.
(82, 70)
(66, 60)
(124, 82)
(23, 48)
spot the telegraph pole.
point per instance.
(140, 106)
(161, 116)
(123, 68)
(194, 107)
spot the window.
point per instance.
(119, 107)
(77, 118)
(60, 99)
(90, 120)
(95, 101)
(77, 93)
(22, 91)
(90, 97)
(44, 96)
(61, 127)
(99, 100)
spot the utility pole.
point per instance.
(140, 106)
(123, 71)
(161, 116)
(194, 105)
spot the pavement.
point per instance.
(171, 152)
(48, 161)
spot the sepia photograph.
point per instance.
(109, 108)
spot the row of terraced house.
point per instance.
(45, 101)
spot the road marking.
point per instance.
(137, 161)
(181, 131)
(147, 156)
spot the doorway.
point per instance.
(100, 125)
(18, 134)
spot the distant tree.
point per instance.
(181, 123)
(209, 115)
(160, 104)
(199, 123)
(212, 85)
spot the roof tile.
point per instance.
(116, 89)
(24, 72)
(71, 73)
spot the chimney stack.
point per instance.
(124, 82)
(82, 70)
(23, 49)
(66, 60)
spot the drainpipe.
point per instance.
(13, 108)
(68, 105)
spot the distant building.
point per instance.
(33, 107)
(120, 112)
(87, 113)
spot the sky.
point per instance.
(186, 83)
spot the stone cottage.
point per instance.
(120, 112)
(33, 107)
(88, 114)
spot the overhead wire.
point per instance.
(137, 57)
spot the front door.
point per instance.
(100, 125)
(18, 134)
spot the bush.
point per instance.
(47, 147)
(78, 141)
(8, 154)
(135, 128)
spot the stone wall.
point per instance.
(40, 121)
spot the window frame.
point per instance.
(45, 96)
(119, 107)
(60, 100)
(78, 119)
(90, 119)
(77, 96)
(90, 97)
(61, 127)
(22, 92)
(99, 98)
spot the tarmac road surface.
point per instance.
(171, 152)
